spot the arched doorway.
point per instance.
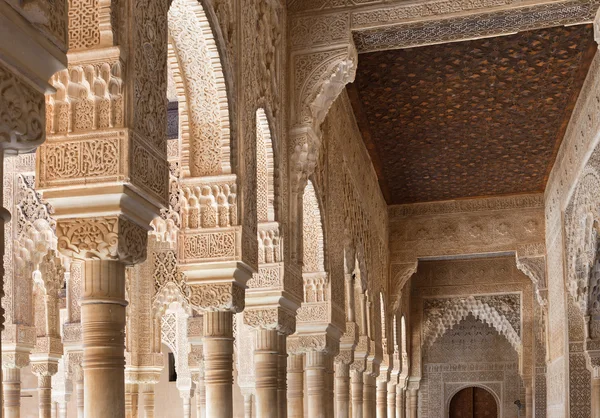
(473, 402)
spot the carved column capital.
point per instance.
(109, 238)
(531, 260)
(44, 368)
(278, 319)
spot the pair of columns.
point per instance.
(355, 394)
(316, 368)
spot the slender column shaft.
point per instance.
(295, 386)
(266, 358)
(369, 396)
(53, 410)
(11, 388)
(62, 409)
(201, 397)
(357, 394)
(129, 401)
(342, 390)
(45, 396)
(381, 399)
(400, 408)
(103, 323)
(147, 391)
(248, 401)
(281, 376)
(391, 400)
(316, 383)
(187, 407)
(218, 364)
(595, 398)
(412, 396)
(330, 388)
(80, 404)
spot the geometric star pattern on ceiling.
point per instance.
(470, 119)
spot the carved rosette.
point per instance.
(110, 238)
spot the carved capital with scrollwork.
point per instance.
(109, 238)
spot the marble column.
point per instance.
(218, 363)
(187, 406)
(595, 397)
(147, 392)
(295, 386)
(316, 369)
(356, 384)
(130, 390)
(412, 402)
(103, 324)
(400, 408)
(200, 397)
(248, 405)
(11, 390)
(381, 399)
(391, 399)
(266, 359)
(369, 397)
(79, 388)
(342, 390)
(281, 376)
(44, 389)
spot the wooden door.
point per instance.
(473, 403)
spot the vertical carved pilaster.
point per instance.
(295, 386)
(218, 363)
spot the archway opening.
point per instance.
(473, 402)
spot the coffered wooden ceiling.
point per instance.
(470, 119)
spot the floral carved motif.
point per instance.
(111, 238)
(21, 112)
(217, 297)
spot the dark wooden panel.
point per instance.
(470, 119)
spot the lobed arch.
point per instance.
(206, 146)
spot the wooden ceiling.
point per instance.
(470, 119)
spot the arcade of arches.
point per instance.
(301, 208)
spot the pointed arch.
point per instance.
(206, 151)
(265, 170)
